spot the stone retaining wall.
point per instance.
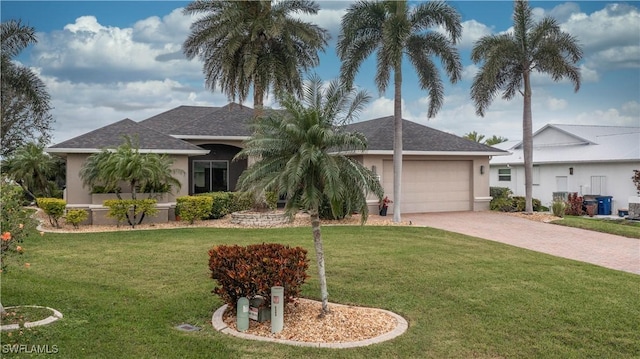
(257, 219)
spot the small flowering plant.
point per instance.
(15, 221)
(384, 203)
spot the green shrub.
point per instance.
(191, 208)
(501, 204)
(131, 210)
(221, 202)
(53, 207)
(558, 208)
(499, 192)
(76, 216)
(519, 204)
(272, 200)
(325, 213)
(252, 270)
(240, 201)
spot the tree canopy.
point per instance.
(24, 101)
(254, 43)
(394, 30)
(507, 61)
(302, 154)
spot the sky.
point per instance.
(103, 61)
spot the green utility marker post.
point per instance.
(242, 314)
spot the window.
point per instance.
(536, 175)
(210, 176)
(504, 174)
(598, 184)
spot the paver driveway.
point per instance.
(607, 250)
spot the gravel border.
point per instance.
(401, 326)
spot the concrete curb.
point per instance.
(401, 326)
(50, 319)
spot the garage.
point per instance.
(432, 186)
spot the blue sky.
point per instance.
(104, 61)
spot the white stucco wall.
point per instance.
(617, 180)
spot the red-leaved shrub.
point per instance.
(252, 270)
(574, 205)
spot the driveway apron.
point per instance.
(606, 250)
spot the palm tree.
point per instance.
(31, 168)
(394, 30)
(474, 136)
(301, 156)
(507, 61)
(127, 164)
(245, 43)
(494, 140)
(24, 101)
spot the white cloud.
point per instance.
(87, 51)
(611, 36)
(472, 31)
(172, 28)
(555, 104)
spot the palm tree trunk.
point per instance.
(527, 142)
(258, 99)
(397, 143)
(317, 242)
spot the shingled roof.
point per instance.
(112, 136)
(416, 137)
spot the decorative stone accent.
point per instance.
(259, 219)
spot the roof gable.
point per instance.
(415, 137)
(579, 143)
(112, 136)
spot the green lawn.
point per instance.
(619, 227)
(122, 293)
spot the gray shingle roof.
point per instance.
(415, 137)
(112, 136)
(172, 120)
(226, 121)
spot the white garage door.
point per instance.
(432, 186)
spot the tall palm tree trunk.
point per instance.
(317, 242)
(397, 143)
(527, 139)
(258, 99)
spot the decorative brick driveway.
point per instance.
(606, 250)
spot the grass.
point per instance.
(21, 315)
(620, 227)
(123, 293)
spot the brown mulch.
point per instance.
(300, 220)
(341, 324)
(535, 216)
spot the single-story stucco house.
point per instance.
(585, 159)
(441, 172)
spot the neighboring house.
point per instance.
(588, 160)
(441, 172)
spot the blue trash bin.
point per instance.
(604, 205)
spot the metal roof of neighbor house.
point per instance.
(112, 136)
(593, 144)
(417, 138)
